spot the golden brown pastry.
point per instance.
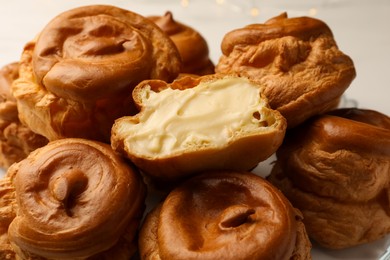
(77, 199)
(192, 47)
(197, 124)
(298, 61)
(77, 76)
(336, 169)
(7, 214)
(224, 215)
(16, 140)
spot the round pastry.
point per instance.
(77, 199)
(7, 214)
(77, 76)
(298, 61)
(192, 47)
(335, 168)
(224, 215)
(197, 124)
(16, 140)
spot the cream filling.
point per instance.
(208, 115)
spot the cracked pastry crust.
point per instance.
(76, 77)
(7, 214)
(224, 215)
(16, 139)
(191, 45)
(196, 124)
(335, 168)
(76, 199)
(296, 59)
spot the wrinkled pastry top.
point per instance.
(279, 26)
(251, 221)
(93, 51)
(75, 199)
(191, 45)
(344, 154)
(296, 59)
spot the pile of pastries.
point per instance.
(106, 108)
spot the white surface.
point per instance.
(361, 29)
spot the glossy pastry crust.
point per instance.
(191, 45)
(224, 215)
(76, 77)
(335, 168)
(77, 199)
(298, 61)
(182, 129)
(16, 139)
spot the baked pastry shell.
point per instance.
(242, 152)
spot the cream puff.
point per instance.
(224, 215)
(297, 59)
(77, 76)
(195, 124)
(76, 199)
(16, 139)
(335, 168)
(191, 45)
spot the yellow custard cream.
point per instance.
(208, 115)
